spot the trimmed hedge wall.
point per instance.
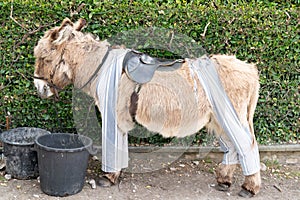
(264, 32)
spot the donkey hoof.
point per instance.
(222, 187)
(245, 193)
(104, 182)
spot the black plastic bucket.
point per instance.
(63, 160)
(21, 158)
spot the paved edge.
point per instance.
(288, 154)
(194, 149)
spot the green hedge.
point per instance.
(264, 32)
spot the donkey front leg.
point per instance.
(109, 179)
(114, 157)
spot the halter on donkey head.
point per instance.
(51, 72)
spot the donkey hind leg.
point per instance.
(251, 185)
(225, 171)
(224, 175)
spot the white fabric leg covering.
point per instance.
(230, 154)
(114, 142)
(240, 136)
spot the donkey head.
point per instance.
(52, 72)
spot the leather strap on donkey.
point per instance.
(141, 67)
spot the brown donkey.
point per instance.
(65, 55)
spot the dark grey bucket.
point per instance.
(21, 158)
(63, 160)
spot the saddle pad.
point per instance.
(141, 68)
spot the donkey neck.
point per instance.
(87, 62)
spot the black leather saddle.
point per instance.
(141, 67)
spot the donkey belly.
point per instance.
(168, 105)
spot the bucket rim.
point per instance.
(86, 145)
(5, 141)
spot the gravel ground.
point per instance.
(183, 179)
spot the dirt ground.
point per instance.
(183, 179)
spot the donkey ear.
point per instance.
(79, 25)
(63, 33)
(65, 23)
(54, 33)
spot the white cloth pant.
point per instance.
(239, 145)
(249, 155)
(114, 142)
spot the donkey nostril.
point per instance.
(45, 88)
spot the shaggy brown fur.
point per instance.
(224, 173)
(166, 104)
(252, 183)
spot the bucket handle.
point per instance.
(34, 148)
(92, 150)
